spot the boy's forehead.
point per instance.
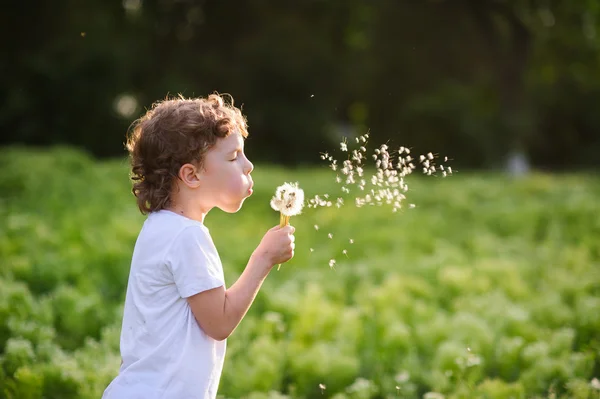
(232, 141)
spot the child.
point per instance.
(187, 157)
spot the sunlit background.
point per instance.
(488, 288)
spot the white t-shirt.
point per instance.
(165, 353)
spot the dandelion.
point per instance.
(289, 201)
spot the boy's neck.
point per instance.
(188, 209)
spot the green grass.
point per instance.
(489, 288)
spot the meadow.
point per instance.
(488, 288)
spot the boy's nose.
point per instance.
(249, 166)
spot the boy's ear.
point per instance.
(190, 175)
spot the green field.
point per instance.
(489, 288)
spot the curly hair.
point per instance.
(174, 132)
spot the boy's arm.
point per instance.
(219, 311)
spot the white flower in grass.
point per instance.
(288, 199)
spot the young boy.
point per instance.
(187, 157)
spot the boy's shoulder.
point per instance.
(162, 228)
(169, 219)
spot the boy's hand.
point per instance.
(277, 246)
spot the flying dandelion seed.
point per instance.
(332, 263)
(322, 387)
(316, 227)
(351, 241)
(312, 250)
(385, 186)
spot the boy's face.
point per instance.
(225, 180)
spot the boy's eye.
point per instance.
(231, 160)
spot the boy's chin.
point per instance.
(232, 208)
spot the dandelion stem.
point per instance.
(283, 221)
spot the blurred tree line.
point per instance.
(472, 79)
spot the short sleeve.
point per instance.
(194, 262)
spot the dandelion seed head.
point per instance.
(288, 199)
